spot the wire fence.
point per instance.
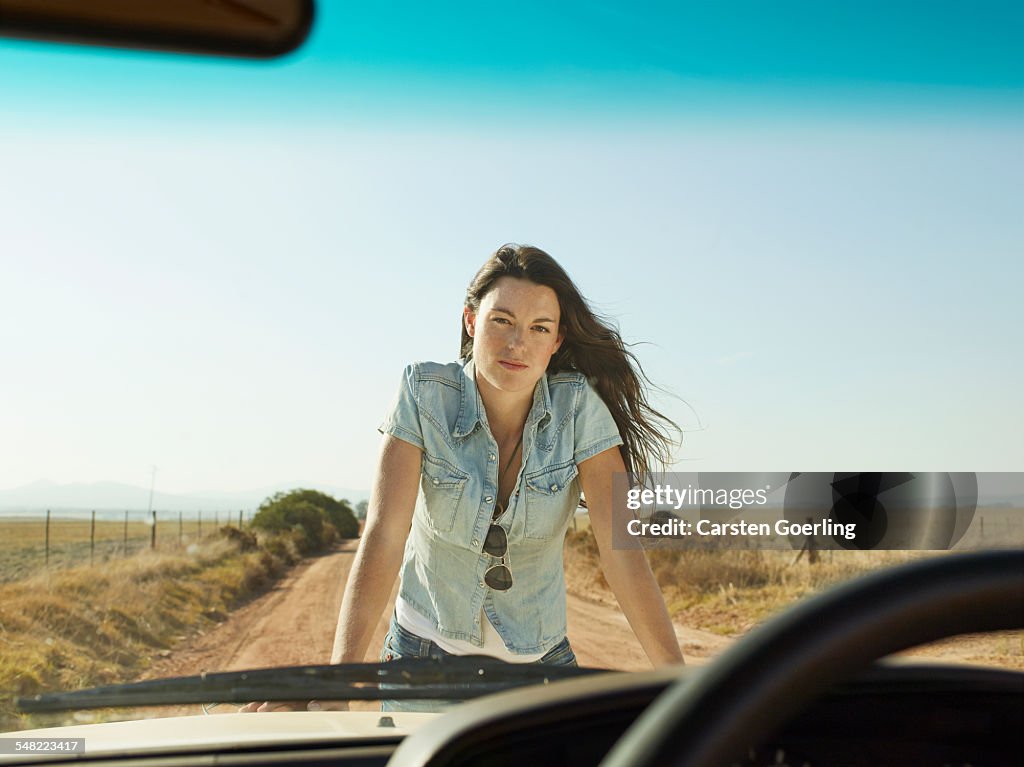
(30, 542)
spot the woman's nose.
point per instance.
(515, 338)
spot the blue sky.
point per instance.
(812, 216)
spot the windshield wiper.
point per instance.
(451, 678)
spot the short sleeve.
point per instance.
(595, 428)
(403, 420)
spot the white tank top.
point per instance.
(415, 623)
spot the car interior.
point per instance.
(816, 685)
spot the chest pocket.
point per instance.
(552, 494)
(442, 485)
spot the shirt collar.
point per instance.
(541, 410)
(472, 412)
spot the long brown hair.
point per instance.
(592, 346)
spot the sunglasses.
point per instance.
(498, 576)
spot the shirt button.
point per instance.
(490, 456)
(476, 543)
(489, 498)
(437, 482)
(481, 584)
(554, 488)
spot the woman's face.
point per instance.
(514, 333)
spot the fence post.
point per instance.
(92, 539)
(152, 532)
(46, 545)
(200, 524)
(239, 519)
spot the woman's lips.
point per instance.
(509, 365)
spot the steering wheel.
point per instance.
(761, 681)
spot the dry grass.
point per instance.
(23, 541)
(85, 626)
(729, 591)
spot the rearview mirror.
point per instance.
(248, 28)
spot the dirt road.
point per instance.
(294, 623)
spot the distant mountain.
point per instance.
(114, 496)
(256, 497)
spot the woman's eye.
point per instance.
(541, 328)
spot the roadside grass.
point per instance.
(84, 626)
(728, 591)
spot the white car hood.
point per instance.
(189, 733)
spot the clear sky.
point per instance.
(810, 212)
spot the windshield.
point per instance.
(803, 218)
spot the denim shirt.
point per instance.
(438, 409)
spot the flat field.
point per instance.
(23, 540)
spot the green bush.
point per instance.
(312, 519)
(338, 513)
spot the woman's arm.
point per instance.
(375, 567)
(626, 570)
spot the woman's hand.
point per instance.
(258, 707)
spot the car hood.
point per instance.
(220, 731)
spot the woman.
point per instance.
(480, 472)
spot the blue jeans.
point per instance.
(400, 643)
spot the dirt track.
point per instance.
(294, 623)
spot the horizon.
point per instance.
(43, 495)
